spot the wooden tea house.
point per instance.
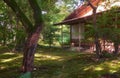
(81, 16)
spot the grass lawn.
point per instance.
(58, 63)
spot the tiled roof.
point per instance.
(80, 12)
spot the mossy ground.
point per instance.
(58, 63)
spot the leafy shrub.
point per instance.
(106, 54)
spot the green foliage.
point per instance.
(65, 39)
(89, 31)
(49, 35)
(49, 31)
(47, 5)
(108, 25)
(26, 75)
(56, 14)
(20, 38)
(24, 5)
(11, 30)
(6, 34)
(115, 35)
(106, 54)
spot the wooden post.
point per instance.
(70, 35)
(79, 37)
(62, 34)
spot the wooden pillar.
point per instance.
(62, 34)
(70, 35)
(81, 31)
(79, 37)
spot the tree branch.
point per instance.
(91, 5)
(19, 13)
(37, 12)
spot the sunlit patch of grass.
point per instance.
(111, 66)
(88, 68)
(39, 56)
(2, 67)
(10, 59)
(8, 53)
(98, 68)
(112, 71)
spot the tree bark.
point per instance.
(103, 44)
(116, 46)
(96, 36)
(29, 50)
(33, 37)
(97, 43)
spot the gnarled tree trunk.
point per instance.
(32, 30)
(29, 50)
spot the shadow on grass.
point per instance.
(7, 55)
(4, 49)
(10, 64)
(85, 67)
(59, 63)
(74, 65)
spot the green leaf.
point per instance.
(26, 75)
